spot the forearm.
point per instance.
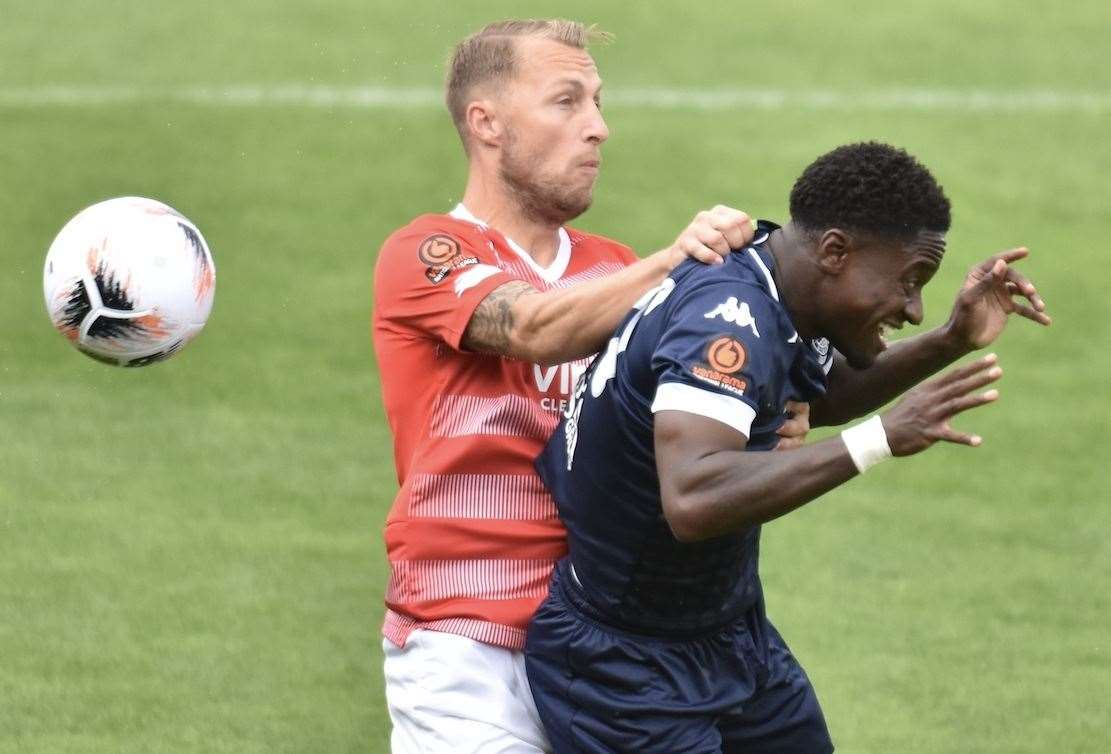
(519, 322)
(732, 490)
(853, 393)
(571, 323)
(551, 327)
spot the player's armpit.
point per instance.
(494, 323)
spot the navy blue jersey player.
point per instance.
(654, 637)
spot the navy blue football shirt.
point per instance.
(713, 341)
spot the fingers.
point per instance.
(969, 369)
(1011, 255)
(997, 271)
(948, 434)
(713, 238)
(793, 431)
(714, 233)
(1017, 283)
(692, 247)
(965, 402)
(735, 226)
(959, 396)
(798, 408)
(971, 382)
(1035, 316)
(798, 420)
(922, 417)
(793, 427)
(982, 278)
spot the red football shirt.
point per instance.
(473, 535)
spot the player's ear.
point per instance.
(484, 123)
(833, 250)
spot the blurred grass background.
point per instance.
(190, 556)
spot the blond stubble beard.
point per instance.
(537, 196)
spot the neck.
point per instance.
(490, 200)
(794, 277)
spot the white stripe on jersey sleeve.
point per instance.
(678, 396)
(473, 277)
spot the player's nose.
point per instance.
(596, 129)
(913, 311)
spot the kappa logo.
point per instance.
(441, 253)
(736, 312)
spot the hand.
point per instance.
(985, 301)
(922, 417)
(712, 235)
(793, 432)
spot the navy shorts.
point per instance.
(598, 689)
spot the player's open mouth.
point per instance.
(881, 332)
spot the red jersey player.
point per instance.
(482, 319)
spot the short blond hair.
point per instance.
(490, 55)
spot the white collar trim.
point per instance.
(552, 272)
(767, 273)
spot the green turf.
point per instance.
(190, 556)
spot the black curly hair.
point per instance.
(872, 188)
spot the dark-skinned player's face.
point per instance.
(880, 289)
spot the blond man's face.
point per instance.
(551, 153)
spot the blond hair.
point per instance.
(490, 55)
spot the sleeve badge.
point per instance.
(441, 254)
(725, 356)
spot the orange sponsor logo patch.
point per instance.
(726, 355)
(438, 250)
(715, 377)
(441, 253)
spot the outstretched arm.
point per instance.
(984, 303)
(517, 321)
(709, 485)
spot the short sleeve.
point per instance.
(717, 353)
(626, 255)
(431, 281)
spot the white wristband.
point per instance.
(867, 443)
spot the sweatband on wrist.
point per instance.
(867, 443)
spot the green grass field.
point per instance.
(190, 555)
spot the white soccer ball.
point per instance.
(129, 281)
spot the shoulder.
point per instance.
(430, 248)
(729, 294)
(693, 279)
(600, 246)
(433, 234)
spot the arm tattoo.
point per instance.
(490, 325)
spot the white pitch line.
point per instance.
(663, 98)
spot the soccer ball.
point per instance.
(129, 281)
